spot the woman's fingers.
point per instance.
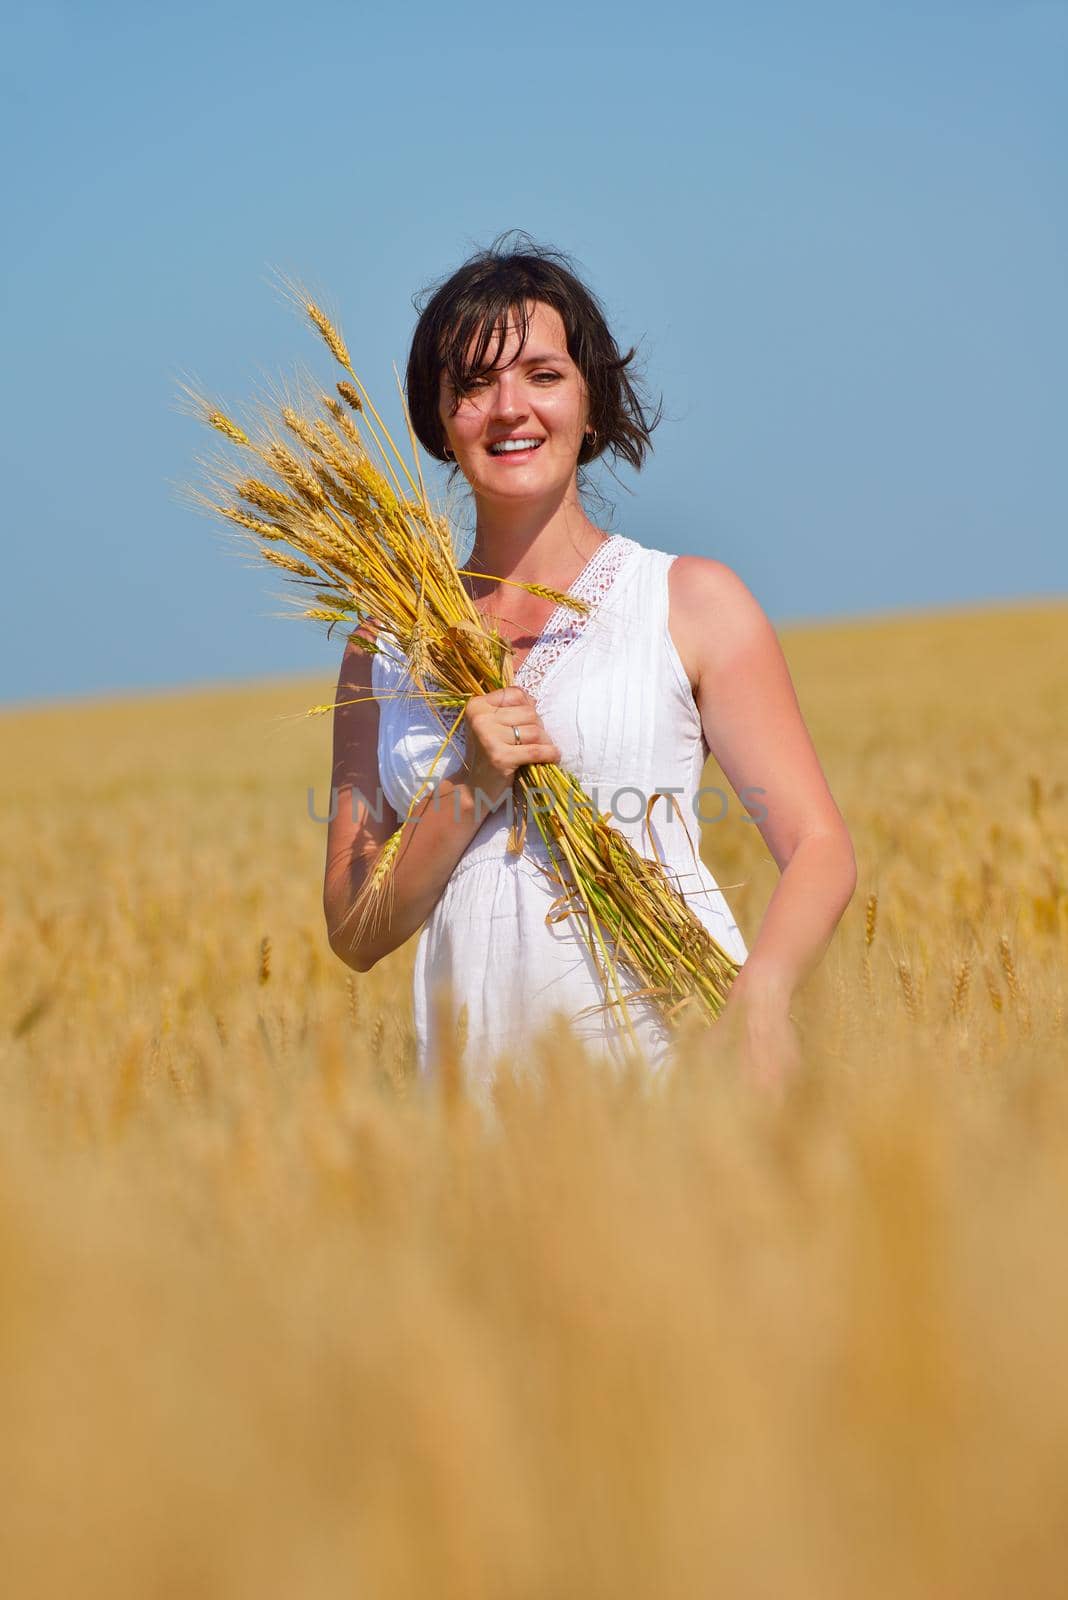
(499, 718)
(541, 748)
(533, 740)
(493, 719)
(513, 695)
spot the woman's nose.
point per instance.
(507, 402)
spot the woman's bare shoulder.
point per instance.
(361, 647)
(364, 634)
(713, 614)
(356, 714)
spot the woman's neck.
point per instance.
(532, 549)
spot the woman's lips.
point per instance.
(514, 455)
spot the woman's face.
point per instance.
(541, 397)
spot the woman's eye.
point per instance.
(480, 383)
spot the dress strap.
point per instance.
(565, 627)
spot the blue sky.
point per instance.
(838, 234)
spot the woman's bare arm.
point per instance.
(441, 827)
(754, 727)
(356, 834)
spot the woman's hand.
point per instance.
(493, 753)
(758, 1026)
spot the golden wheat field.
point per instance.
(279, 1321)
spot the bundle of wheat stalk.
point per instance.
(366, 540)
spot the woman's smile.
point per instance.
(519, 448)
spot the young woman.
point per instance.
(514, 377)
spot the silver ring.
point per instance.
(518, 735)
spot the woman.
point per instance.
(514, 377)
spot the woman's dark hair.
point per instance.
(477, 299)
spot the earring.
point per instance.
(591, 434)
(448, 452)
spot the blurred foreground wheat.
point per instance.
(276, 1322)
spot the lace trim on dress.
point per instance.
(564, 626)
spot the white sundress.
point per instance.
(613, 694)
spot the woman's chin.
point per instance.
(525, 487)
